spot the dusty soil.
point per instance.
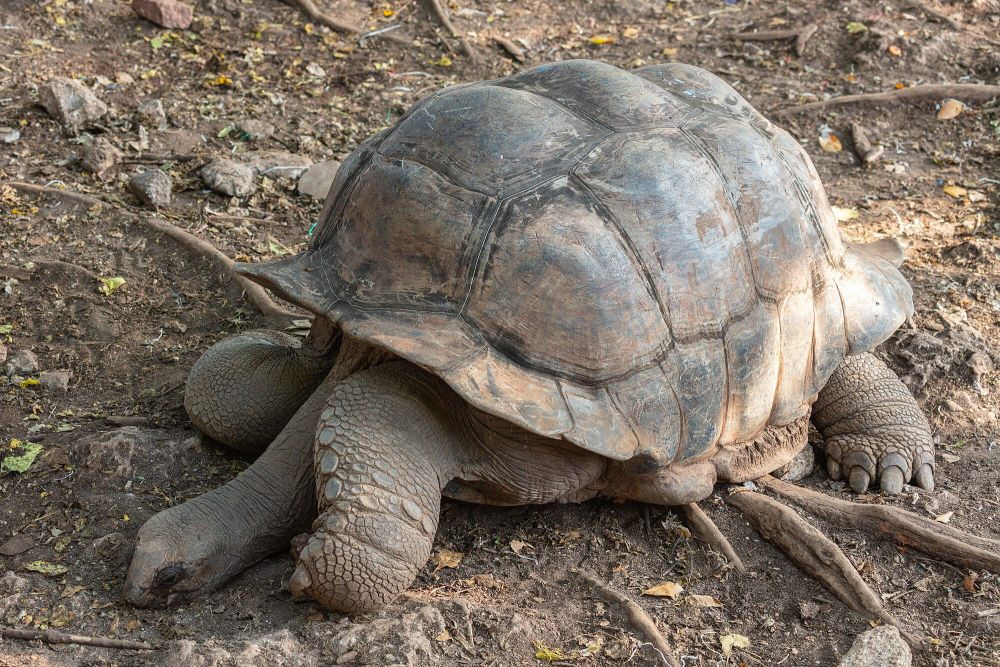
(511, 599)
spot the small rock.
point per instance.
(71, 103)
(164, 13)
(229, 177)
(318, 178)
(22, 362)
(11, 584)
(279, 164)
(150, 114)
(109, 546)
(8, 135)
(152, 186)
(55, 381)
(254, 130)
(17, 545)
(879, 647)
(799, 467)
(100, 156)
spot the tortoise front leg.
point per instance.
(873, 428)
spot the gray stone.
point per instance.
(55, 381)
(11, 584)
(151, 186)
(100, 156)
(108, 546)
(279, 164)
(879, 647)
(318, 178)
(22, 362)
(254, 130)
(799, 467)
(71, 103)
(9, 135)
(229, 177)
(151, 115)
(165, 13)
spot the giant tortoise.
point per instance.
(574, 281)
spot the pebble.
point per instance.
(316, 181)
(165, 13)
(229, 177)
(22, 362)
(100, 156)
(878, 647)
(71, 103)
(279, 164)
(254, 130)
(8, 135)
(11, 584)
(151, 186)
(151, 115)
(55, 381)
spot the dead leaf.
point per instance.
(950, 458)
(729, 642)
(517, 545)
(630, 33)
(46, 568)
(668, 52)
(830, 142)
(132, 626)
(443, 636)
(569, 537)
(955, 191)
(894, 51)
(844, 214)
(950, 108)
(976, 196)
(702, 601)
(970, 582)
(70, 591)
(944, 518)
(601, 40)
(446, 558)
(109, 285)
(666, 589)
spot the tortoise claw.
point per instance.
(892, 480)
(859, 479)
(833, 468)
(924, 477)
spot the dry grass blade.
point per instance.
(906, 528)
(703, 528)
(812, 551)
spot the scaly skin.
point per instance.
(244, 389)
(873, 428)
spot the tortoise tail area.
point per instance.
(875, 296)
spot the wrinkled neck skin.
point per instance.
(192, 548)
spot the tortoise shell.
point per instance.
(638, 262)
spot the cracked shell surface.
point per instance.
(638, 262)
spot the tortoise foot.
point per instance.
(887, 464)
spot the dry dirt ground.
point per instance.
(117, 447)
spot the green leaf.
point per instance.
(6, 328)
(109, 285)
(20, 462)
(854, 27)
(46, 568)
(156, 43)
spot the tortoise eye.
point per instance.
(168, 576)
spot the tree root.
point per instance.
(703, 528)
(906, 528)
(442, 16)
(801, 36)
(55, 637)
(969, 91)
(863, 146)
(308, 7)
(636, 614)
(254, 292)
(814, 553)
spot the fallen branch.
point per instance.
(801, 36)
(309, 8)
(254, 292)
(442, 16)
(970, 91)
(55, 637)
(810, 550)
(905, 528)
(703, 528)
(515, 51)
(636, 614)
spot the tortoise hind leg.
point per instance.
(873, 428)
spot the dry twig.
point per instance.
(56, 637)
(636, 614)
(442, 16)
(906, 528)
(254, 292)
(703, 528)
(801, 36)
(309, 8)
(969, 91)
(515, 51)
(812, 551)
